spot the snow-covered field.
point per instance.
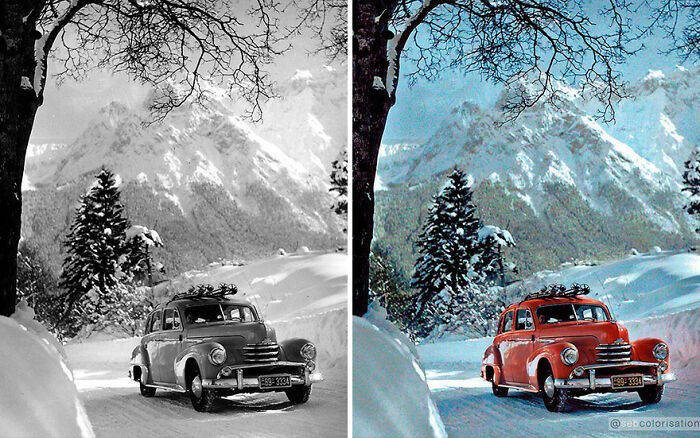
(300, 295)
(656, 294)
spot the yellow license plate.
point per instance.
(636, 381)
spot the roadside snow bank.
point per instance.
(682, 333)
(38, 397)
(390, 393)
(328, 331)
(466, 351)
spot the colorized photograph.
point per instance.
(526, 218)
(173, 236)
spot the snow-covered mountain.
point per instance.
(557, 175)
(216, 184)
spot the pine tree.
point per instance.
(390, 289)
(96, 251)
(691, 184)
(37, 285)
(339, 184)
(444, 274)
(139, 243)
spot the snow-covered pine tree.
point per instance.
(491, 265)
(390, 289)
(140, 242)
(444, 274)
(691, 184)
(339, 184)
(96, 250)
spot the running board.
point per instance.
(527, 388)
(177, 388)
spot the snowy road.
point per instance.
(117, 409)
(466, 404)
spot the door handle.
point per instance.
(180, 338)
(533, 338)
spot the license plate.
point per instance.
(627, 381)
(275, 381)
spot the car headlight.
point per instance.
(569, 355)
(217, 356)
(660, 351)
(308, 351)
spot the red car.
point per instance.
(562, 344)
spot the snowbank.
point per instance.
(467, 351)
(682, 333)
(390, 393)
(38, 397)
(635, 287)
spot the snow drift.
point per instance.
(38, 397)
(390, 393)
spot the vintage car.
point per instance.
(562, 344)
(209, 344)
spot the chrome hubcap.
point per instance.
(549, 386)
(197, 386)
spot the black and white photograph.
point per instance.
(173, 235)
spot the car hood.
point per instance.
(586, 336)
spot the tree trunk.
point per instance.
(18, 107)
(369, 113)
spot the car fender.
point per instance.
(551, 353)
(290, 349)
(200, 353)
(138, 359)
(642, 350)
(492, 358)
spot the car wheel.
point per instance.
(554, 398)
(146, 391)
(651, 394)
(202, 398)
(299, 394)
(499, 391)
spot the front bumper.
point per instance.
(239, 381)
(592, 382)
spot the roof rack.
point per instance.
(559, 291)
(199, 291)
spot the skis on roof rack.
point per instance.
(207, 291)
(559, 290)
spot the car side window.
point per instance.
(248, 314)
(171, 319)
(507, 322)
(523, 320)
(156, 322)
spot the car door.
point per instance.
(502, 342)
(522, 345)
(169, 345)
(150, 342)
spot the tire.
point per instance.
(651, 394)
(554, 398)
(146, 391)
(299, 394)
(499, 391)
(203, 399)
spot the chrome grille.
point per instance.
(612, 353)
(260, 353)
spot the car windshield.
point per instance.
(555, 313)
(219, 313)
